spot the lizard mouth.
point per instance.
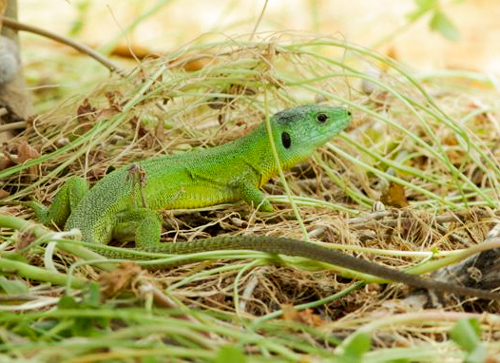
(322, 138)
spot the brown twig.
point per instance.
(64, 40)
(12, 125)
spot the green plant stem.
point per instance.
(313, 304)
(22, 269)
(42, 232)
(29, 271)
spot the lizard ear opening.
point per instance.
(286, 140)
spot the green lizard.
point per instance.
(121, 206)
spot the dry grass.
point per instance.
(436, 140)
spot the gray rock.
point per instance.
(10, 61)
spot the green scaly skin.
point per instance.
(122, 205)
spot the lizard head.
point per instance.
(299, 131)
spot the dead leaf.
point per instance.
(192, 65)
(85, 111)
(25, 240)
(394, 196)
(86, 114)
(112, 98)
(160, 131)
(120, 279)
(26, 152)
(306, 317)
(5, 162)
(109, 112)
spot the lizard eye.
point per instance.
(321, 117)
(286, 140)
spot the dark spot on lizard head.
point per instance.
(286, 140)
(289, 116)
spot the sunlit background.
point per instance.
(427, 34)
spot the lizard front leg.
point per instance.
(141, 224)
(255, 197)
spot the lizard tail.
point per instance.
(297, 248)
